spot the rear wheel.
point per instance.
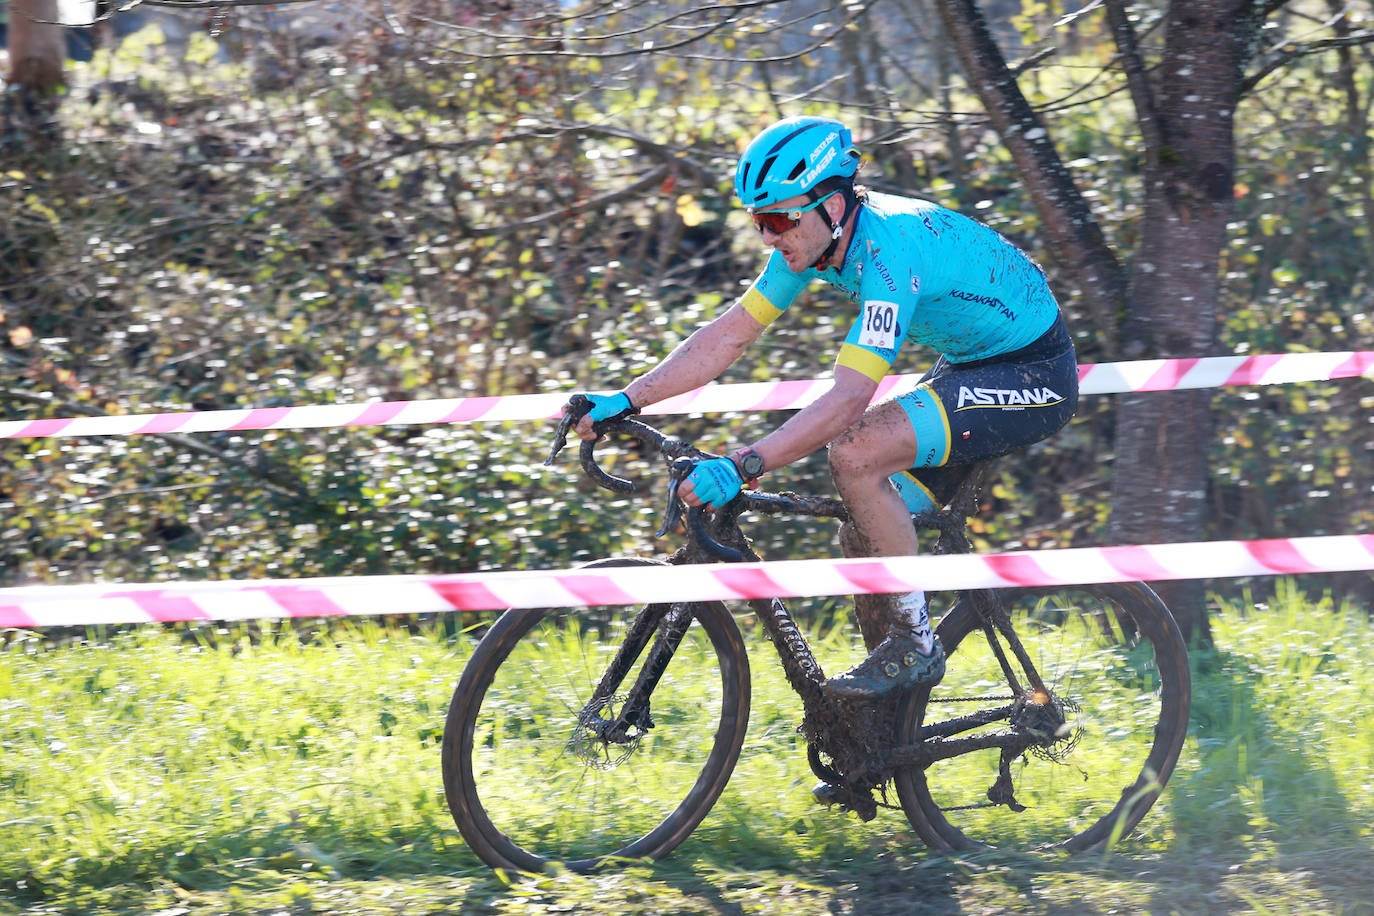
(527, 778)
(1117, 672)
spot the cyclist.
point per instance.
(1005, 375)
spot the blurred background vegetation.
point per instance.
(231, 208)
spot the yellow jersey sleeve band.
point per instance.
(757, 304)
(863, 361)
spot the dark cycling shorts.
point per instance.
(967, 412)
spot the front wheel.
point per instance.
(532, 774)
(1112, 726)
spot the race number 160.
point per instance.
(879, 325)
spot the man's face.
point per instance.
(803, 244)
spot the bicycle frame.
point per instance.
(830, 725)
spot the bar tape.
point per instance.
(1100, 378)
(87, 605)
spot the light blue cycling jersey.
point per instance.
(925, 274)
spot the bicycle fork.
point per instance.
(633, 719)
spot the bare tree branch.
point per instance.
(208, 4)
(1293, 52)
(656, 177)
(1136, 77)
(574, 45)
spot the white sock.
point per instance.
(914, 614)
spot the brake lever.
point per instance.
(578, 407)
(696, 516)
(672, 513)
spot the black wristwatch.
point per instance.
(749, 462)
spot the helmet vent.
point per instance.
(763, 172)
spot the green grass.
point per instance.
(159, 772)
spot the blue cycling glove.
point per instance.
(610, 406)
(716, 481)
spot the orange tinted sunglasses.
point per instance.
(780, 221)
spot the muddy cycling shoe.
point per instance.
(826, 794)
(861, 803)
(896, 665)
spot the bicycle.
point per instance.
(1068, 707)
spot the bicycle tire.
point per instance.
(529, 791)
(1114, 653)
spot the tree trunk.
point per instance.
(37, 46)
(1159, 489)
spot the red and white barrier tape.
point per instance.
(86, 605)
(1100, 378)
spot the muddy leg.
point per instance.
(874, 613)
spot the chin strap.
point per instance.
(851, 203)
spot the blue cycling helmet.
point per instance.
(792, 158)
